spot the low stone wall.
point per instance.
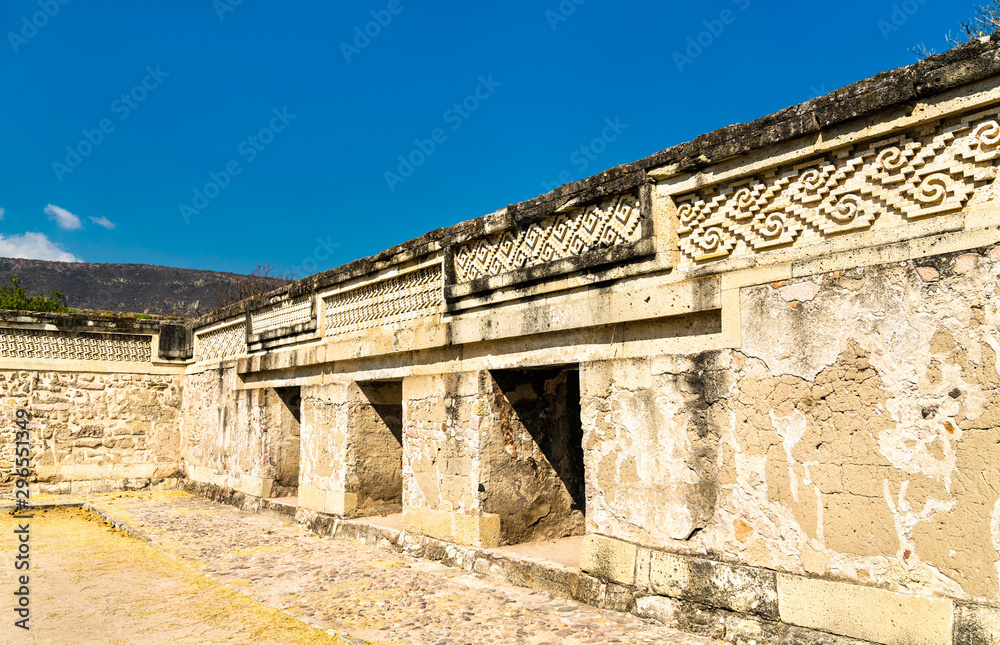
(102, 397)
(94, 431)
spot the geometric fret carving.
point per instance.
(926, 172)
(74, 346)
(393, 300)
(227, 342)
(282, 315)
(615, 221)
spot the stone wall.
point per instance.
(327, 449)
(442, 457)
(93, 431)
(225, 432)
(852, 439)
(103, 398)
(873, 416)
(352, 460)
(758, 372)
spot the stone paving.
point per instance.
(361, 592)
(91, 586)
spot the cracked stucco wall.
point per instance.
(224, 429)
(855, 435)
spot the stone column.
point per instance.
(327, 450)
(442, 442)
(351, 454)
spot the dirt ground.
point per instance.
(90, 584)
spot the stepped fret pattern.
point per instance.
(74, 346)
(394, 300)
(286, 313)
(887, 183)
(227, 342)
(616, 221)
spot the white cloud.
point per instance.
(34, 246)
(65, 219)
(103, 221)
(2, 211)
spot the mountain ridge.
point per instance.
(130, 288)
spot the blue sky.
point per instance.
(222, 134)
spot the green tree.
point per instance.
(13, 296)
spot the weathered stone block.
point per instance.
(326, 501)
(717, 584)
(471, 530)
(643, 559)
(731, 627)
(864, 613)
(977, 625)
(608, 558)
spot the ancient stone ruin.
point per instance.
(759, 372)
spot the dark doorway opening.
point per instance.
(535, 445)
(378, 442)
(285, 442)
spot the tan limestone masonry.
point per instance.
(891, 618)
(759, 372)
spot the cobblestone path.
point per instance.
(89, 586)
(365, 593)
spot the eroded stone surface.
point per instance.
(92, 426)
(851, 437)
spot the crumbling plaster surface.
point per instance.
(441, 440)
(648, 452)
(224, 427)
(855, 435)
(326, 450)
(93, 425)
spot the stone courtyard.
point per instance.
(214, 574)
